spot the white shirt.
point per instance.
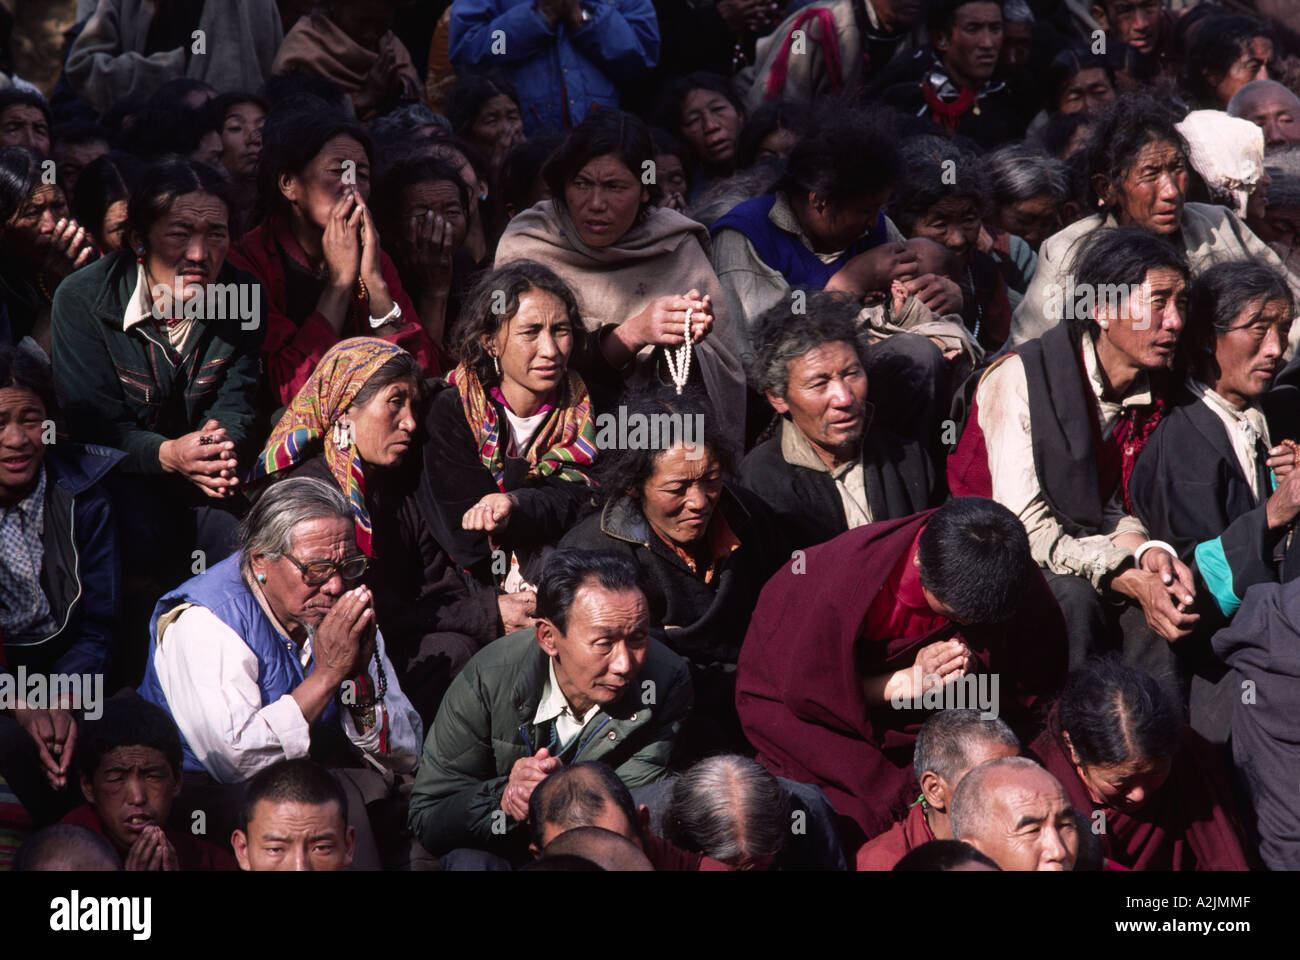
(209, 676)
(1003, 397)
(555, 706)
(523, 429)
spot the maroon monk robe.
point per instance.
(887, 849)
(798, 682)
(1190, 824)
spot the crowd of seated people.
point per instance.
(771, 435)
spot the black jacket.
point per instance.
(454, 479)
(1188, 489)
(899, 475)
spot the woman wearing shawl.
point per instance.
(353, 423)
(638, 269)
(511, 437)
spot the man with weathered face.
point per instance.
(1273, 108)
(1017, 814)
(829, 468)
(951, 743)
(586, 683)
(294, 817)
(1141, 24)
(24, 121)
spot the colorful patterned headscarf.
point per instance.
(564, 443)
(319, 404)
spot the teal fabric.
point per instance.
(1217, 574)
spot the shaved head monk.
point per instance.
(950, 743)
(1017, 814)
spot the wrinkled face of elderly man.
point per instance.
(322, 563)
(1027, 821)
(826, 398)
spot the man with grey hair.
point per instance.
(1272, 107)
(1017, 814)
(274, 651)
(828, 468)
(950, 743)
(1027, 190)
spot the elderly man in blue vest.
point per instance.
(588, 682)
(273, 653)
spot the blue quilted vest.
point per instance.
(223, 591)
(785, 252)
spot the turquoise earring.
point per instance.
(261, 578)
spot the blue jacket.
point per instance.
(222, 590)
(80, 571)
(562, 75)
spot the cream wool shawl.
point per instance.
(664, 254)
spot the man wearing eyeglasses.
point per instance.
(274, 653)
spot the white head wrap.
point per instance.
(1227, 152)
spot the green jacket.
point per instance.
(485, 724)
(129, 390)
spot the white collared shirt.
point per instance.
(555, 706)
(139, 309)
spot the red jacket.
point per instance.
(290, 352)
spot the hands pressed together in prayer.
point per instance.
(55, 733)
(525, 775)
(350, 245)
(345, 640)
(205, 457)
(936, 665)
(152, 851)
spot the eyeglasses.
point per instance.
(319, 572)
